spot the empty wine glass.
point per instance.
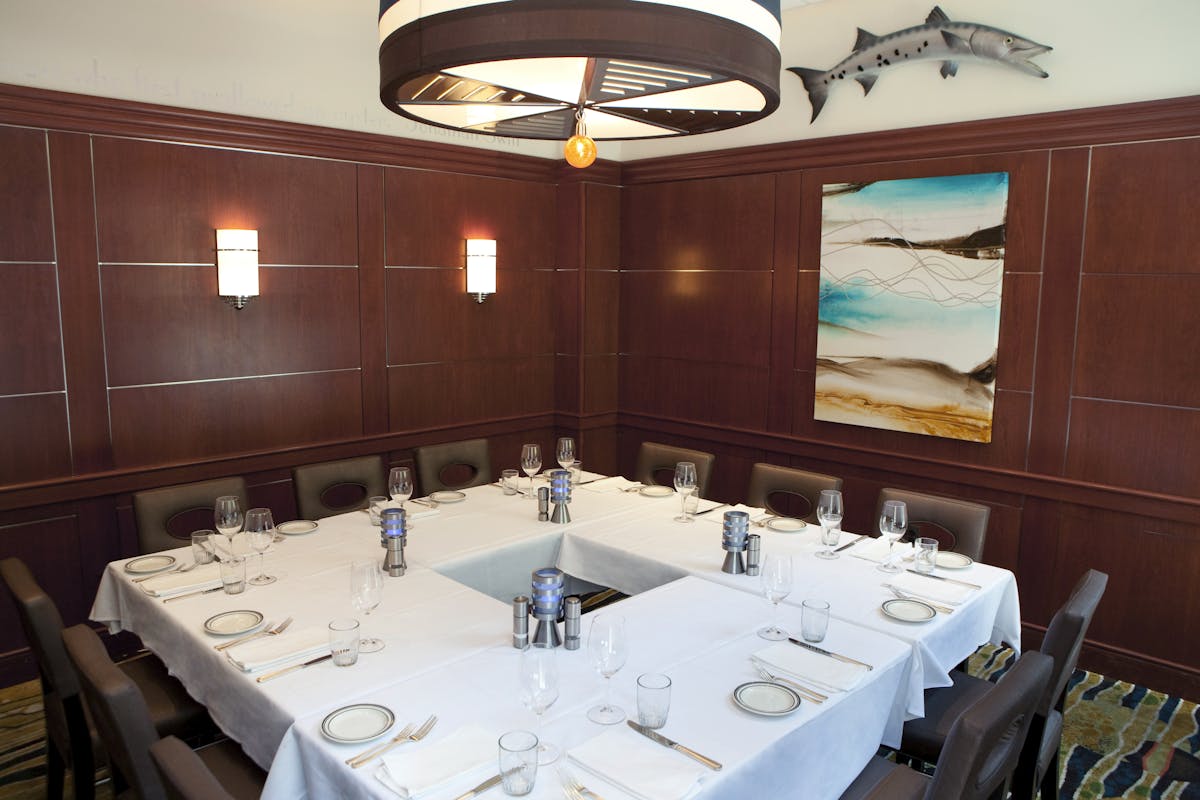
(607, 649)
(566, 452)
(829, 514)
(260, 531)
(893, 522)
(531, 462)
(685, 486)
(776, 585)
(538, 673)
(366, 591)
(400, 484)
(228, 518)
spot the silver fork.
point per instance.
(574, 789)
(403, 734)
(930, 603)
(180, 569)
(633, 488)
(266, 631)
(416, 736)
(805, 692)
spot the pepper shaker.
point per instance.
(753, 554)
(543, 504)
(520, 622)
(573, 622)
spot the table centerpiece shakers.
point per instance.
(394, 525)
(560, 495)
(547, 597)
(734, 531)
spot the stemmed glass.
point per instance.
(607, 649)
(260, 530)
(400, 484)
(228, 518)
(366, 591)
(776, 585)
(531, 462)
(685, 485)
(566, 452)
(893, 522)
(829, 514)
(538, 672)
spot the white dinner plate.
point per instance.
(768, 699)
(358, 723)
(786, 524)
(147, 564)
(233, 623)
(297, 527)
(953, 560)
(447, 497)
(656, 491)
(909, 610)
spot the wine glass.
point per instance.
(566, 452)
(776, 585)
(893, 522)
(400, 484)
(260, 531)
(685, 485)
(531, 462)
(366, 590)
(538, 673)
(228, 518)
(829, 514)
(607, 649)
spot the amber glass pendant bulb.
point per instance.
(580, 150)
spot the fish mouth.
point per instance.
(1020, 58)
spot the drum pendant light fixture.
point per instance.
(580, 70)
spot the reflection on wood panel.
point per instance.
(457, 392)
(719, 394)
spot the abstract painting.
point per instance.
(909, 310)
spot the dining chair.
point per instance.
(335, 487)
(190, 775)
(958, 525)
(1037, 768)
(70, 741)
(167, 516)
(981, 750)
(799, 487)
(122, 717)
(454, 465)
(655, 459)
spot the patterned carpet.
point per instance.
(1119, 740)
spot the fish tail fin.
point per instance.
(816, 86)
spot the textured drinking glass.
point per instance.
(366, 591)
(926, 555)
(566, 452)
(518, 762)
(893, 522)
(814, 620)
(343, 641)
(260, 531)
(776, 585)
(508, 481)
(202, 547)
(400, 484)
(531, 462)
(538, 678)
(233, 574)
(375, 506)
(653, 699)
(685, 485)
(829, 514)
(576, 472)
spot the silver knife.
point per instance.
(824, 652)
(849, 544)
(943, 578)
(709, 510)
(269, 675)
(193, 594)
(480, 789)
(421, 501)
(655, 736)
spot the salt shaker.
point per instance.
(520, 622)
(573, 622)
(753, 554)
(544, 504)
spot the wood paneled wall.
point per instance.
(669, 299)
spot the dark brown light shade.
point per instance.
(635, 68)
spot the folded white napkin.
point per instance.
(638, 766)
(719, 516)
(418, 511)
(287, 648)
(815, 668)
(422, 771)
(938, 591)
(877, 549)
(170, 584)
(613, 485)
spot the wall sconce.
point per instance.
(481, 268)
(237, 266)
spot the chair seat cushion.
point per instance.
(883, 780)
(172, 710)
(233, 769)
(924, 737)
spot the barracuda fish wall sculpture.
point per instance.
(939, 39)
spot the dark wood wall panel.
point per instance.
(1131, 444)
(162, 424)
(723, 223)
(1143, 204)
(602, 227)
(166, 323)
(161, 203)
(26, 232)
(455, 392)
(36, 441)
(601, 311)
(49, 546)
(601, 380)
(431, 215)
(31, 356)
(718, 394)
